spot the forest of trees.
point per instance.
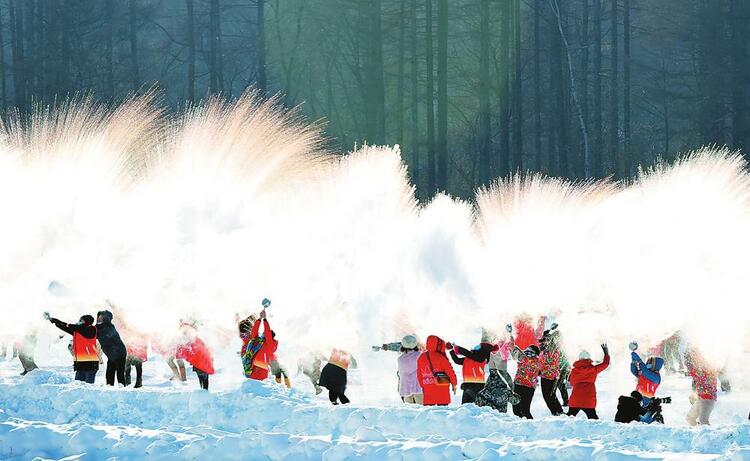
(470, 89)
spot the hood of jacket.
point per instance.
(435, 344)
(106, 316)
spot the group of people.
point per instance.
(426, 376)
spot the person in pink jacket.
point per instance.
(705, 388)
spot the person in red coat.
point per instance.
(195, 352)
(262, 359)
(583, 378)
(435, 373)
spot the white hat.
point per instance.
(409, 342)
(584, 355)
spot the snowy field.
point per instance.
(46, 416)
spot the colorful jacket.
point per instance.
(549, 364)
(261, 360)
(648, 379)
(473, 362)
(527, 372)
(198, 355)
(432, 362)
(705, 379)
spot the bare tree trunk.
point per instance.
(597, 157)
(134, 69)
(215, 64)
(400, 77)
(484, 92)
(617, 165)
(431, 166)
(537, 91)
(629, 156)
(3, 83)
(415, 163)
(64, 86)
(262, 82)
(504, 109)
(16, 30)
(576, 104)
(110, 27)
(740, 69)
(442, 70)
(29, 7)
(584, 101)
(517, 92)
(190, 4)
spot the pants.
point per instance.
(700, 412)
(549, 392)
(496, 392)
(562, 386)
(87, 376)
(115, 367)
(130, 362)
(178, 369)
(279, 373)
(27, 362)
(417, 399)
(523, 408)
(335, 398)
(590, 412)
(470, 392)
(202, 378)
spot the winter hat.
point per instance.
(532, 351)
(584, 355)
(487, 336)
(409, 342)
(87, 319)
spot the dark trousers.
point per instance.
(335, 398)
(202, 378)
(590, 412)
(523, 409)
(115, 367)
(27, 362)
(549, 392)
(562, 386)
(131, 362)
(470, 392)
(87, 376)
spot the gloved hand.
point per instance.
(634, 355)
(509, 328)
(605, 349)
(455, 349)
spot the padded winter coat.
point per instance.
(527, 371)
(198, 355)
(583, 379)
(648, 379)
(263, 358)
(705, 380)
(549, 364)
(109, 338)
(408, 384)
(432, 361)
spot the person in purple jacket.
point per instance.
(408, 385)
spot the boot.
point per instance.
(287, 383)
(278, 380)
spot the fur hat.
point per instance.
(409, 342)
(584, 355)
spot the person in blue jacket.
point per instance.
(648, 375)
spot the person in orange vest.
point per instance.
(334, 375)
(257, 350)
(85, 357)
(435, 373)
(472, 368)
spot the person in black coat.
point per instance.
(113, 348)
(629, 408)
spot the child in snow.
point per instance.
(527, 374)
(498, 390)
(334, 375)
(112, 346)
(648, 376)
(472, 367)
(435, 373)
(630, 408)
(194, 351)
(549, 370)
(408, 384)
(257, 350)
(583, 378)
(85, 358)
(705, 388)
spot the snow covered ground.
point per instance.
(46, 416)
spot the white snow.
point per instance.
(45, 415)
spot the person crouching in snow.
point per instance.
(549, 370)
(705, 388)
(334, 375)
(498, 390)
(583, 378)
(435, 373)
(648, 376)
(85, 357)
(472, 368)
(408, 384)
(527, 375)
(196, 353)
(112, 346)
(257, 350)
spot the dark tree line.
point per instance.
(470, 89)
